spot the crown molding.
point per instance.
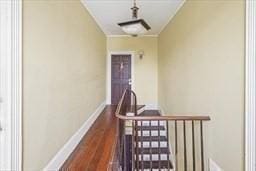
(114, 1)
(94, 18)
(125, 35)
(171, 17)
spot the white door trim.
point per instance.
(108, 91)
(250, 96)
(11, 83)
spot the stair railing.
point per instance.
(185, 147)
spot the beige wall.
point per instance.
(195, 66)
(145, 70)
(201, 70)
(64, 67)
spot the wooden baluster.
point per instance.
(185, 145)
(133, 148)
(150, 146)
(137, 144)
(193, 145)
(167, 136)
(141, 142)
(159, 144)
(120, 113)
(202, 145)
(120, 142)
(119, 139)
(124, 151)
(176, 146)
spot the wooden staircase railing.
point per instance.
(153, 137)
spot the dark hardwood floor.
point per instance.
(94, 151)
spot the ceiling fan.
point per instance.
(135, 26)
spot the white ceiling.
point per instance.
(107, 13)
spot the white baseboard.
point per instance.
(213, 166)
(59, 159)
(151, 106)
(161, 110)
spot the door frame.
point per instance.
(11, 83)
(108, 81)
(250, 87)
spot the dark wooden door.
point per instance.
(120, 76)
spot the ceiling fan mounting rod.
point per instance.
(134, 10)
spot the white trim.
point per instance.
(91, 13)
(151, 106)
(213, 166)
(250, 96)
(174, 14)
(108, 86)
(125, 35)
(161, 110)
(11, 84)
(68, 148)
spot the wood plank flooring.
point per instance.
(94, 151)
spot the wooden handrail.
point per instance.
(169, 117)
(177, 118)
(137, 136)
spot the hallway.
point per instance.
(64, 62)
(94, 152)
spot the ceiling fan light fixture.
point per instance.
(135, 26)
